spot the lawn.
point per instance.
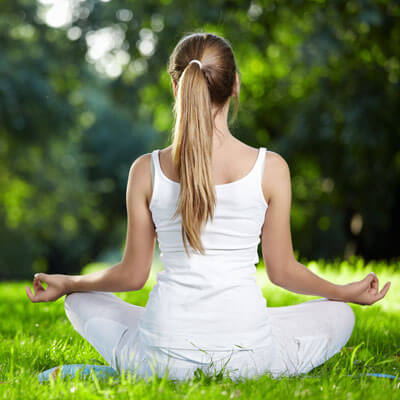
(39, 336)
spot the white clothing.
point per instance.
(206, 311)
(204, 300)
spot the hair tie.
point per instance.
(197, 61)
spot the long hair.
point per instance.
(199, 89)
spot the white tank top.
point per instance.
(209, 301)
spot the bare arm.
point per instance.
(282, 267)
(300, 279)
(133, 270)
(112, 279)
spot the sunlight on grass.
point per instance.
(36, 337)
(340, 272)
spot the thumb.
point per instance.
(369, 279)
(41, 276)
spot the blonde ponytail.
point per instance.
(191, 154)
(203, 68)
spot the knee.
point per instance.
(76, 310)
(71, 300)
(345, 320)
(348, 316)
(67, 300)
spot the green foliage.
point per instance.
(65, 146)
(320, 86)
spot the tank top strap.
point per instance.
(157, 167)
(155, 176)
(154, 158)
(260, 161)
(152, 169)
(259, 169)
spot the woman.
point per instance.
(205, 198)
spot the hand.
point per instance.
(366, 291)
(57, 285)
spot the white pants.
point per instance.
(305, 335)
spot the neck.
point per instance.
(221, 129)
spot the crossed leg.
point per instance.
(102, 318)
(307, 334)
(310, 333)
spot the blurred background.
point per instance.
(84, 91)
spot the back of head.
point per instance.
(201, 86)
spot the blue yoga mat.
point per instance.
(70, 370)
(378, 375)
(375, 374)
(105, 371)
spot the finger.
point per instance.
(37, 285)
(367, 281)
(35, 298)
(372, 286)
(384, 290)
(30, 294)
(375, 282)
(41, 276)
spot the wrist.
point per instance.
(69, 283)
(337, 293)
(340, 293)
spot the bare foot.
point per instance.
(55, 372)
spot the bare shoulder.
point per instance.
(275, 175)
(275, 162)
(140, 175)
(140, 168)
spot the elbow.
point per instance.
(136, 283)
(132, 278)
(273, 277)
(272, 274)
(283, 273)
(278, 275)
(278, 281)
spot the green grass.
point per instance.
(39, 336)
